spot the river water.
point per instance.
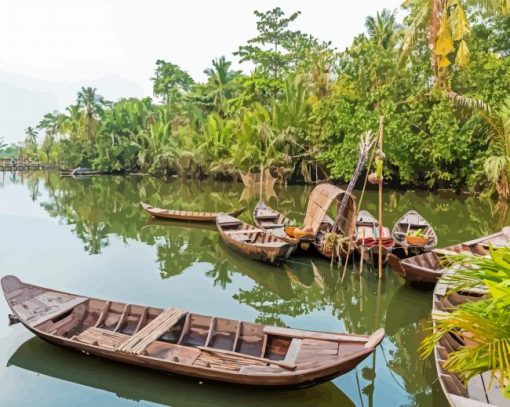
(89, 236)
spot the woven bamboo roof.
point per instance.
(321, 198)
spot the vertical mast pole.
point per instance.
(380, 256)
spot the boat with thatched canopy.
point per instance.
(332, 238)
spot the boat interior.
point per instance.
(479, 387)
(174, 335)
(436, 259)
(243, 232)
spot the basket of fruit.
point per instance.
(417, 238)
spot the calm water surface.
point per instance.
(89, 236)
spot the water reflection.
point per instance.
(136, 384)
(104, 211)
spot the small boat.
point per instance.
(403, 234)
(367, 238)
(276, 223)
(251, 241)
(176, 341)
(192, 216)
(428, 267)
(478, 392)
(78, 172)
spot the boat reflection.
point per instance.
(138, 384)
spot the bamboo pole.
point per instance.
(261, 180)
(381, 126)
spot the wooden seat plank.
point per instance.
(152, 331)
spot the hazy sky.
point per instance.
(80, 42)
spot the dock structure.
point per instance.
(8, 165)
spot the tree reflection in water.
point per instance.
(101, 209)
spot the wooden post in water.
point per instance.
(381, 126)
(261, 180)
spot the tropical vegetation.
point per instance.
(485, 323)
(439, 77)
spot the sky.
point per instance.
(48, 49)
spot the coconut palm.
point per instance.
(92, 107)
(31, 138)
(381, 28)
(221, 82)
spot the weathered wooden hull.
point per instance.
(190, 216)
(427, 268)
(276, 255)
(413, 273)
(308, 357)
(479, 391)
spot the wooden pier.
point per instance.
(7, 165)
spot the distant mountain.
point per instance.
(24, 100)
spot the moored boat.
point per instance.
(428, 267)
(413, 235)
(367, 238)
(481, 390)
(330, 238)
(177, 341)
(276, 223)
(251, 241)
(192, 216)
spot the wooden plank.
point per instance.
(211, 331)
(293, 351)
(142, 319)
(326, 336)
(185, 328)
(103, 314)
(285, 365)
(257, 370)
(236, 337)
(152, 331)
(125, 312)
(247, 231)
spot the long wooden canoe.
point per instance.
(251, 241)
(411, 222)
(477, 392)
(367, 238)
(192, 216)
(428, 267)
(177, 341)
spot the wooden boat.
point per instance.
(410, 223)
(428, 267)
(176, 341)
(321, 225)
(477, 392)
(275, 223)
(78, 172)
(251, 241)
(192, 216)
(367, 238)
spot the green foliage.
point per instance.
(302, 108)
(170, 81)
(484, 323)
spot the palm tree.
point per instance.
(381, 28)
(92, 107)
(221, 83)
(31, 138)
